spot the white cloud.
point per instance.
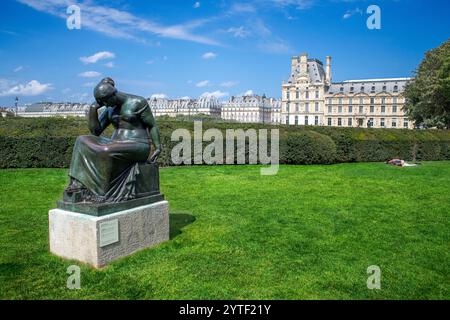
(242, 8)
(152, 61)
(229, 84)
(196, 5)
(247, 93)
(299, 4)
(90, 74)
(19, 68)
(97, 56)
(203, 83)
(238, 32)
(121, 24)
(32, 88)
(351, 13)
(66, 90)
(159, 96)
(89, 84)
(109, 64)
(185, 98)
(209, 55)
(217, 94)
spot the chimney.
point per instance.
(304, 64)
(294, 62)
(328, 69)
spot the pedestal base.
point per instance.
(100, 240)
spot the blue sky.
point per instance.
(184, 48)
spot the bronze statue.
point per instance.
(113, 170)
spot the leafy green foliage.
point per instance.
(48, 142)
(428, 95)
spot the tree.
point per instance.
(428, 94)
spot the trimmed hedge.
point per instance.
(48, 142)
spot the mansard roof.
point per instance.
(316, 73)
(372, 86)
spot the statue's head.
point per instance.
(105, 93)
(108, 80)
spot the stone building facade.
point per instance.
(309, 97)
(250, 108)
(186, 107)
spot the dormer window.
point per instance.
(351, 89)
(395, 88)
(342, 89)
(362, 89)
(384, 88)
(373, 89)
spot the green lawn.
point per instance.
(309, 232)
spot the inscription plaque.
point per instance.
(109, 232)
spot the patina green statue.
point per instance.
(117, 170)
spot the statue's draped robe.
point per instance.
(108, 167)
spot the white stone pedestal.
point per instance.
(99, 240)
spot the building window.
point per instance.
(329, 121)
(373, 89)
(361, 100)
(394, 109)
(340, 109)
(288, 96)
(316, 120)
(330, 109)
(395, 88)
(307, 94)
(350, 109)
(372, 100)
(287, 119)
(341, 89)
(317, 94)
(296, 107)
(362, 89)
(394, 122)
(382, 122)
(352, 89)
(306, 120)
(339, 121)
(330, 101)
(370, 123)
(350, 101)
(361, 109)
(383, 100)
(317, 107)
(384, 88)
(350, 122)
(296, 120)
(340, 101)
(372, 109)
(306, 107)
(383, 109)
(297, 94)
(394, 100)
(405, 123)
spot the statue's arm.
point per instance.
(149, 120)
(98, 123)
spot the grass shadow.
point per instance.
(178, 221)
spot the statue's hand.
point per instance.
(155, 155)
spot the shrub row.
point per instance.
(35, 143)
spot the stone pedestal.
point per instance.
(100, 240)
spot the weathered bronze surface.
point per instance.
(112, 174)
